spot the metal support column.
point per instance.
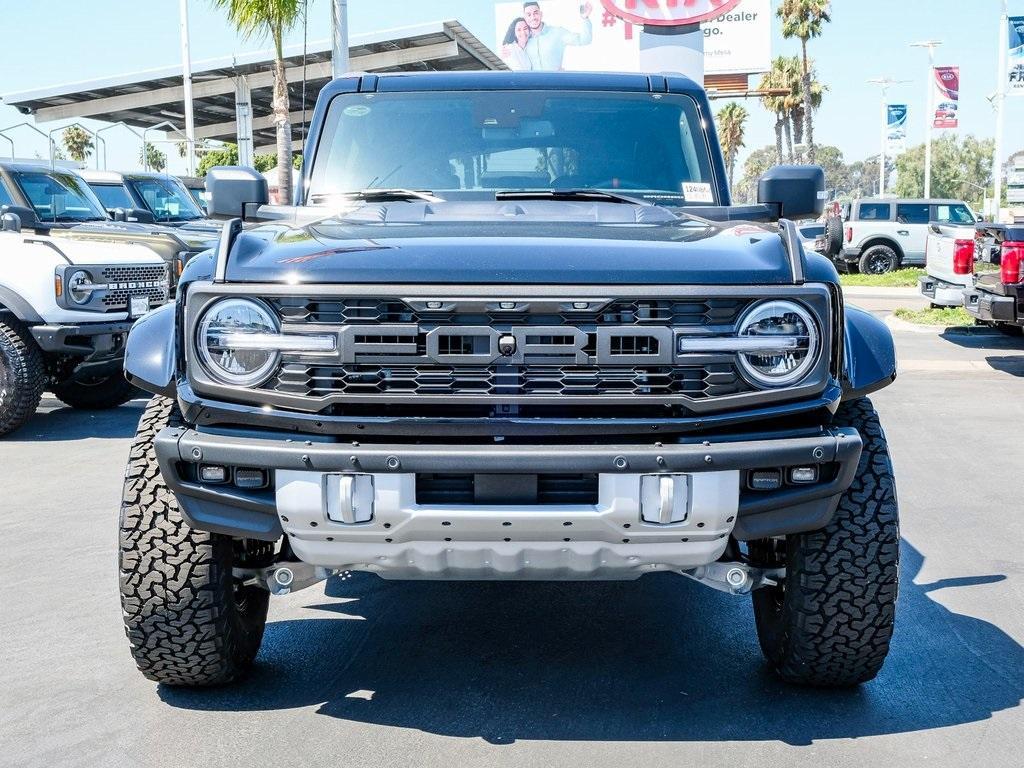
(339, 36)
(186, 65)
(243, 122)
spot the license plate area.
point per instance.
(138, 306)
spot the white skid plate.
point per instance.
(406, 540)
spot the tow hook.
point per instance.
(284, 578)
(735, 578)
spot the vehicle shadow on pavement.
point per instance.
(660, 659)
(61, 423)
(1012, 364)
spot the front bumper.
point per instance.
(605, 540)
(96, 340)
(991, 307)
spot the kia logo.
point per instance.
(668, 13)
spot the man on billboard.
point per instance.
(545, 46)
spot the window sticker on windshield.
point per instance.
(356, 110)
(697, 193)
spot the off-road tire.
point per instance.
(871, 260)
(830, 621)
(833, 236)
(97, 394)
(189, 622)
(22, 375)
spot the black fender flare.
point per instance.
(150, 355)
(17, 306)
(869, 352)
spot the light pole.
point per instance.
(339, 36)
(997, 158)
(886, 83)
(931, 45)
(186, 67)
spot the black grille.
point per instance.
(470, 489)
(134, 281)
(688, 312)
(693, 381)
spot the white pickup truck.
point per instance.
(951, 251)
(883, 235)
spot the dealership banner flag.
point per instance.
(1015, 62)
(896, 129)
(946, 82)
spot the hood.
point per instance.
(514, 243)
(82, 252)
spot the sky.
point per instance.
(50, 42)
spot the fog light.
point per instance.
(213, 474)
(507, 304)
(581, 305)
(250, 478)
(434, 305)
(803, 475)
(765, 479)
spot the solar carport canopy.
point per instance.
(155, 96)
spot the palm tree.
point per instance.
(797, 114)
(773, 80)
(805, 19)
(259, 18)
(77, 142)
(732, 122)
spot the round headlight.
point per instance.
(220, 341)
(791, 343)
(80, 287)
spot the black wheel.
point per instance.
(829, 621)
(97, 393)
(188, 620)
(22, 375)
(833, 236)
(878, 259)
(1010, 330)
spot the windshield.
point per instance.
(112, 196)
(58, 196)
(471, 144)
(167, 199)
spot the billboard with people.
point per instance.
(552, 35)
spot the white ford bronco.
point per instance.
(66, 307)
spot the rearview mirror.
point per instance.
(235, 191)
(797, 191)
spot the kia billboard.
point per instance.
(946, 96)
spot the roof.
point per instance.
(117, 177)
(577, 81)
(147, 98)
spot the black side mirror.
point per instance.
(797, 191)
(235, 191)
(137, 215)
(26, 217)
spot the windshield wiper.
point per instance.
(583, 195)
(382, 196)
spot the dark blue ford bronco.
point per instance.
(514, 329)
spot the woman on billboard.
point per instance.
(514, 45)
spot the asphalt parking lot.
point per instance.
(655, 672)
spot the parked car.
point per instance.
(467, 377)
(196, 187)
(883, 235)
(59, 203)
(66, 307)
(951, 253)
(997, 298)
(150, 198)
(810, 234)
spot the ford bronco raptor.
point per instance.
(514, 330)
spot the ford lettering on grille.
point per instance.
(523, 345)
